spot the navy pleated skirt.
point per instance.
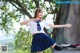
(41, 42)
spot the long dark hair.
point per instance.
(38, 10)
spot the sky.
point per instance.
(4, 36)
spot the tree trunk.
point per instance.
(72, 35)
(61, 19)
(68, 14)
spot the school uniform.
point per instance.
(41, 40)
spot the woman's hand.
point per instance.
(68, 25)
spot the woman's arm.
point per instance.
(26, 21)
(60, 26)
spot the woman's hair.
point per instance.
(38, 10)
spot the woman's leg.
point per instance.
(40, 52)
(53, 45)
(56, 47)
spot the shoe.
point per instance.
(72, 46)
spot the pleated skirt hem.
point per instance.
(41, 42)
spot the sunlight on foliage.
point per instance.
(23, 40)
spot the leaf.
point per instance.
(4, 8)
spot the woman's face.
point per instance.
(40, 14)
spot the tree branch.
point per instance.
(15, 6)
(37, 3)
(22, 8)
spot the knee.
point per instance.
(57, 47)
(53, 45)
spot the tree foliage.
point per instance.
(23, 7)
(23, 40)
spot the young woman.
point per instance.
(41, 40)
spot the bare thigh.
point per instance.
(40, 52)
(53, 46)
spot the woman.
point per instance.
(41, 40)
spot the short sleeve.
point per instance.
(29, 23)
(46, 24)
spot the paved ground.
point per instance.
(69, 50)
(66, 51)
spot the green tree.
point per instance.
(23, 40)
